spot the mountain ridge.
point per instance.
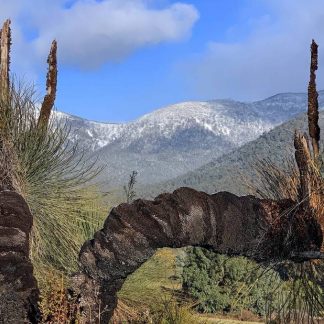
(179, 138)
(235, 171)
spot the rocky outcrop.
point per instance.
(259, 229)
(18, 287)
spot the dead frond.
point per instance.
(272, 181)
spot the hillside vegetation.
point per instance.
(277, 145)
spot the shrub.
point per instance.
(227, 284)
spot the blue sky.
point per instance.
(120, 59)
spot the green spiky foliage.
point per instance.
(53, 175)
(304, 298)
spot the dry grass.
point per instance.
(170, 311)
(212, 319)
(56, 305)
(272, 181)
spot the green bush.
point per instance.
(227, 284)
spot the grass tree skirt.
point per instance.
(18, 287)
(247, 226)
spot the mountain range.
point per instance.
(178, 140)
(236, 171)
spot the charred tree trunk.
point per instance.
(7, 158)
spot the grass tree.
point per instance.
(304, 184)
(38, 161)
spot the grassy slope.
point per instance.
(153, 280)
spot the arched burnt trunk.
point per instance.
(222, 222)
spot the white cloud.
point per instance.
(91, 33)
(273, 58)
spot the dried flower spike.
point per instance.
(51, 83)
(314, 130)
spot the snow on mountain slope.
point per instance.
(191, 125)
(225, 124)
(233, 121)
(283, 106)
(232, 172)
(179, 138)
(90, 134)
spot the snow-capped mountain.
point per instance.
(192, 125)
(88, 133)
(181, 137)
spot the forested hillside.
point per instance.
(234, 171)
